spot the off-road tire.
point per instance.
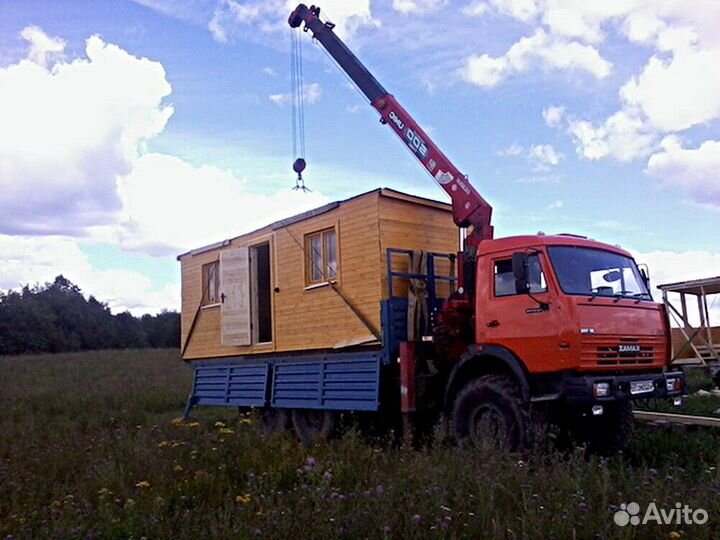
(610, 432)
(312, 426)
(273, 420)
(489, 411)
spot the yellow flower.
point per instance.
(219, 424)
(143, 484)
(175, 444)
(178, 468)
(674, 535)
(226, 431)
(193, 424)
(245, 421)
(163, 444)
(243, 499)
(177, 421)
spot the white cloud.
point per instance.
(679, 93)
(232, 18)
(270, 72)
(622, 136)
(553, 116)
(200, 205)
(552, 53)
(418, 7)
(68, 132)
(42, 46)
(544, 156)
(694, 170)
(311, 93)
(477, 8)
(673, 267)
(556, 205)
(30, 260)
(513, 150)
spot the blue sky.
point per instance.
(133, 131)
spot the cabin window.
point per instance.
(321, 261)
(505, 279)
(211, 283)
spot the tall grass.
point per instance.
(89, 449)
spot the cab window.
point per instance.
(505, 279)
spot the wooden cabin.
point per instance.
(311, 282)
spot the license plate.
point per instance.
(641, 387)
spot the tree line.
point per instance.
(56, 317)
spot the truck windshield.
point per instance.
(597, 273)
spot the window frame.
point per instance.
(209, 271)
(310, 280)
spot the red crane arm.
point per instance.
(469, 207)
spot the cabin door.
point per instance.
(235, 297)
(261, 293)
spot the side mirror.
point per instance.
(520, 271)
(645, 274)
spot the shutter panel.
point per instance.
(235, 289)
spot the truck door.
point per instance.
(516, 321)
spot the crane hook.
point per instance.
(299, 167)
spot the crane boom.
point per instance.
(469, 207)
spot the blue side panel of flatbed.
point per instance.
(351, 383)
(332, 381)
(233, 385)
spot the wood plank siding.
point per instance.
(316, 317)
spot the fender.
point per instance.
(496, 353)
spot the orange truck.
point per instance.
(559, 328)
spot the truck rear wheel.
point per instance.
(488, 411)
(274, 420)
(312, 425)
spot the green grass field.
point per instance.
(89, 450)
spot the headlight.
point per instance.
(673, 384)
(601, 389)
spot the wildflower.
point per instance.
(143, 484)
(327, 476)
(219, 424)
(178, 468)
(193, 424)
(163, 444)
(245, 421)
(674, 535)
(129, 503)
(243, 499)
(177, 421)
(226, 431)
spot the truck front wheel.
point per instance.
(489, 411)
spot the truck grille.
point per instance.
(607, 352)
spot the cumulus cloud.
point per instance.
(418, 7)
(544, 156)
(42, 46)
(673, 267)
(695, 170)
(29, 260)
(311, 93)
(232, 17)
(69, 131)
(553, 115)
(552, 53)
(207, 205)
(622, 136)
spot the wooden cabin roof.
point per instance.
(382, 192)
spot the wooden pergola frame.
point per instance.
(707, 351)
